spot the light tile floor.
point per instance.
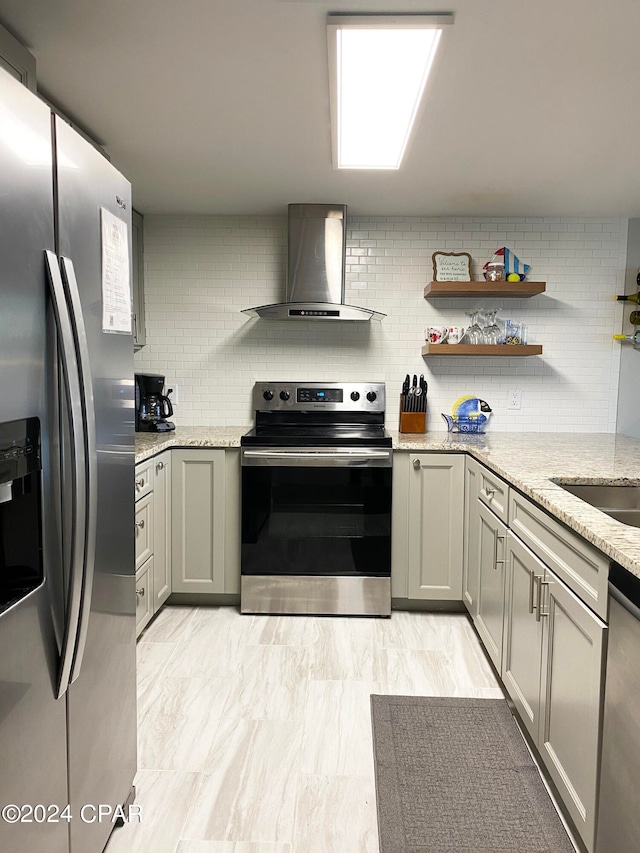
(254, 732)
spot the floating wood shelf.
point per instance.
(493, 289)
(508, 350)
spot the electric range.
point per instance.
(316, 500)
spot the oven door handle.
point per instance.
(325, 458)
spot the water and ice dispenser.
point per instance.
(21, 569)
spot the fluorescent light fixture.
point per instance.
(378, 69)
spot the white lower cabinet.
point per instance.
(427, 526)
(161, 528)
(153, 536)
(486, 513)
(144, 595)
(523, 582)
(187, 518)
(522, 660)
(553, 670)
(490, 566)
(205, 553)
(471, 521)
(144, 544)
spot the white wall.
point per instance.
(201, 271)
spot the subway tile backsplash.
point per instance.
(200, 271)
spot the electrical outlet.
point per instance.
(514, 399)
(174, 393)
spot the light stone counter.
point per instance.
(149, 444)
(532, 462)
(529, 461)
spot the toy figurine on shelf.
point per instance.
(505, 266)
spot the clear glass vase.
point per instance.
(515, 332)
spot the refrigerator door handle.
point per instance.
(91, 458)
(71, 382)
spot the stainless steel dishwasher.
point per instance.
(619, 810)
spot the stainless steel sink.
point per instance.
(619, 502)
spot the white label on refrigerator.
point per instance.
(116, 282)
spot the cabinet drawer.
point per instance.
(144, 595)
(144, 529)
(583, 568)
(143, 479)
(494, 493)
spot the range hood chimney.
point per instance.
(316, 267)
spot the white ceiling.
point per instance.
(221, 106)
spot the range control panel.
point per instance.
(309, 396)
(319, 395)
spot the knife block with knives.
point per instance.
(413, 405)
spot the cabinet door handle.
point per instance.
(140, 592)
(159, 466)
(140, 483)
(538, 606)
(416, 464)
(496, 538)
(532, 583)
(539, 611)
(140, 524)
(545, 612)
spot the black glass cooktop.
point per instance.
(339, 435)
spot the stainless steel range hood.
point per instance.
(316, 267)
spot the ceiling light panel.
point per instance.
(378, 68)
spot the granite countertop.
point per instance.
(532, 462)
(149, 444)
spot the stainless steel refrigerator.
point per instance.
(67, 583)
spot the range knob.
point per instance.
(371, 396)
(268, 395)
(284, 395)
(355, 395)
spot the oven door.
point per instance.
(316, 524)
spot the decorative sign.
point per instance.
(451, 266)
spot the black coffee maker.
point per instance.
(152, 406)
